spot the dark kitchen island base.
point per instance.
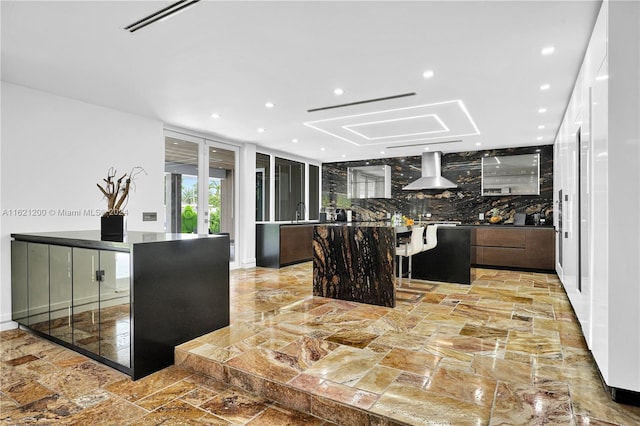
(449, 261)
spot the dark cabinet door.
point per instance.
(19, 285)
(38, 287)
(85, 307)
(61, 292)
(115, 311)
(541, 249)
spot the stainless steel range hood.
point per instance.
(431, 178)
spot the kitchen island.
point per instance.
(449, 261)
(126, 304)
(355, 262)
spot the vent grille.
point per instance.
(367, 101)
(160, 15)
(423, 144)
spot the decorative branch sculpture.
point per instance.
(116, 192)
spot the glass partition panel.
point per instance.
(511, 174)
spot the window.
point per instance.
(290, 189)
(263, 176)
(314, 192)
(286, 190)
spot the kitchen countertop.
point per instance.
(92, 238)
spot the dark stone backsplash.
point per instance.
(460, 204)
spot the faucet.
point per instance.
(300, 210)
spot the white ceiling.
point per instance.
(232, 57)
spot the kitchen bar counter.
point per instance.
(355, 262)
(449, 261)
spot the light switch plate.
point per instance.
(149, 216)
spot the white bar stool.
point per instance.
(415, 245)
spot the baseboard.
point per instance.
(251, 263)
(624, 396)
(7, 324)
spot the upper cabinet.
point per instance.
(369, 182)
(511, 174)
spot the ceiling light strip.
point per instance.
(404, 95)
(161, 14)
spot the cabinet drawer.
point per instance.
(541, 249)
(496, 237)
(503, 256)
(296, 244)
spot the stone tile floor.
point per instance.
(43, 383)
(505, 350)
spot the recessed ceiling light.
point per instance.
(344, 155)
(260, 130)
(602, 77)
(478, 143)
(548, 50)
(538, 150)
(539, 138)
(269, 104)
(175, 143)
(294, 140)
(213, 150)
(426, 148)
(215, 115)
(545, 87)
(427, 74)
(542, 110)
(381, 152)
(322, 149)
(338, 91)
(541, 126)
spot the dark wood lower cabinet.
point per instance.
(517, 247)
(296, 244)
(283, 244)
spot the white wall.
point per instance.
(54, 151)
(247, 213)
(606, 103)
(624, 194)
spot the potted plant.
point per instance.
(116, 191)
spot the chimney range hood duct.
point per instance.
(431, 178)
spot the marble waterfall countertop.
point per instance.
(355, 262)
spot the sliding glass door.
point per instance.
(200, 187)
(181, 184)
(221, 185)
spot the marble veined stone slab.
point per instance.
(354, 263)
